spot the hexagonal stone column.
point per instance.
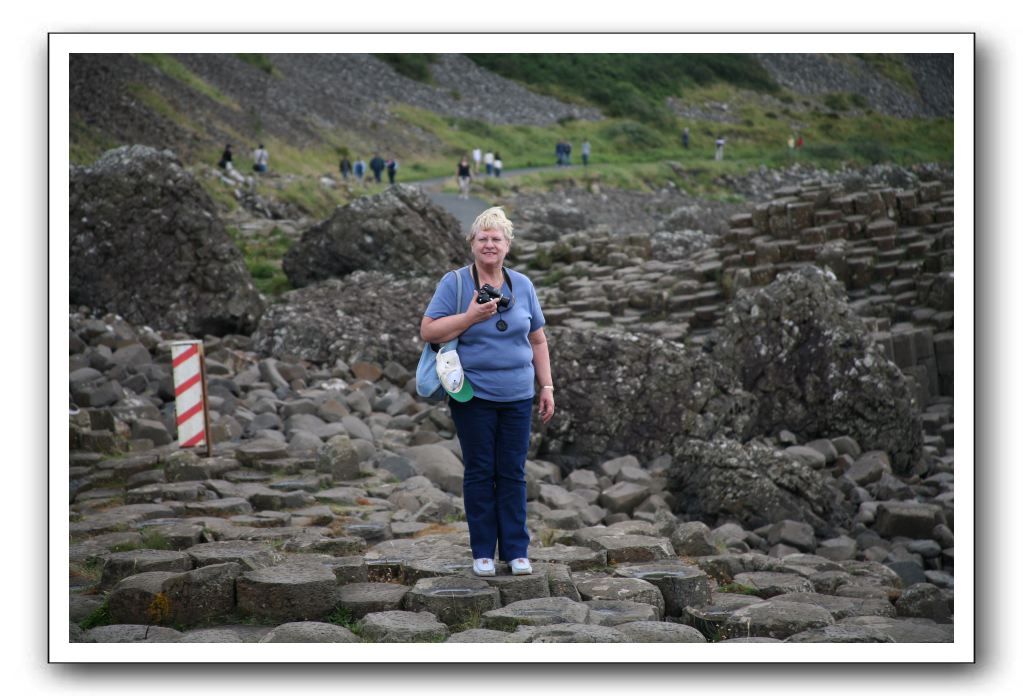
(575, 557)
(767, 584)
(576, 633)
(632, 548)
(622, 589)
(118, 566)
(310, 632)
(536, 612)
(453, 600)
(611, 612)
(709, 618)
(403, 627)
(287, 592)
(361, 598)
(250, 555)
(681, 585)
(660, 632)
(515, 588)
(775, 619)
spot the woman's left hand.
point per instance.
(546, 405)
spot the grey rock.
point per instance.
(132, 213)
(842, 634)
(364, 598)
(132, 633)
(250, 555)
(287, 592)
(813, 367)
(310, 632)
(536, 612)
(692, 539)
(576, 633)
(611, 612)
(660, 632)
(908, 630)
(403, 627)
(775, 619)
(925, 601)
(797, 534)
(681, 585)
(768, 584)
(487, 635)
(452, 600)
(117, 566)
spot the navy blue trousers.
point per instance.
(494, 437)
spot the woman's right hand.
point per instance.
(480, 312)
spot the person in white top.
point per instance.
(498, 164)
(488, 162)
(477, 154)
(261, 158)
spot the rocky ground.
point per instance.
(785, 471)
(331, 512)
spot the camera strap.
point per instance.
(507, 279)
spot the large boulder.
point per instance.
(399, 230)
(620, 393)
(813, 368)
(367, 316)
(723, 480)
(146, 243)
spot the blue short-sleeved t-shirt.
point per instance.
(499, 364)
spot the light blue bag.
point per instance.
(427, 382)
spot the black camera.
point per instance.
(488, 293)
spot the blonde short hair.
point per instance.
(492, 219)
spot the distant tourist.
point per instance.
(792, 142)
(586, 152)
(799, 142)
(568, 153)
(685, 138)
(463, 172)
(477, 156)
(377, 165)
(392, 169)
(260, 158)
(559, 152)
(225, 158)
(488, 162)
(346, 168)
(359, 169)
(719, 148)
(498, 164)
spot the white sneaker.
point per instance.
(520, 566)
(483, 566)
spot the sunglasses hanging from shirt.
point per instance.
(488, 294)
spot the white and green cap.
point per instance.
(452, 377)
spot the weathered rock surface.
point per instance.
(813, 368)
(726, 480)
(148, 245)
(400, 231)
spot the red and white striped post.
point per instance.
(190, 400)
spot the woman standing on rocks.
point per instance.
(502, 350)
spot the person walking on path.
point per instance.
(488, 162)
(225, 158)
(498, 164)
(799, 142)
(685, 138)
(559, 153)
(719, 149)
(463, 172)
(568, 153)
(359, 170)
(346, 168)
(260, 158)
(504, 361)
(392, 169)
(377, 165)
(586, 153)
(477, 155)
